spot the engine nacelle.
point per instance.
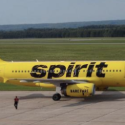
(79, 90)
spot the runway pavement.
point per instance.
(37, 108)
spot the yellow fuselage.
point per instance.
(101, 73)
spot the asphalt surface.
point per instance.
(37, 108)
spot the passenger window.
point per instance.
(89, 70)
(99, 71)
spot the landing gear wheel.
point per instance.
(56, 97)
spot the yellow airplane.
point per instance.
(70, 78)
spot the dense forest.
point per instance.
(88, 31)
(19, 27)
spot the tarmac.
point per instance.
(38, 108)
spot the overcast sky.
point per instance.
(55, 11)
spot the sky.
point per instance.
(58, 11)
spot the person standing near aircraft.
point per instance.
(16, 101)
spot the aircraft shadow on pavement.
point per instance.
(104, 96)
(34, 96)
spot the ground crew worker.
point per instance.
(16, 101)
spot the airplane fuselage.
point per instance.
(101, 73)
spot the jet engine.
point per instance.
(79, 90)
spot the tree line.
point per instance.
(88, 31)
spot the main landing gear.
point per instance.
(56, 97)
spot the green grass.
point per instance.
(57, 52)
(62, 52)
(10, 87)
(116, 88)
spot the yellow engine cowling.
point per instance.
(79, 90)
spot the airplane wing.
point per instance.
(52, 81)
